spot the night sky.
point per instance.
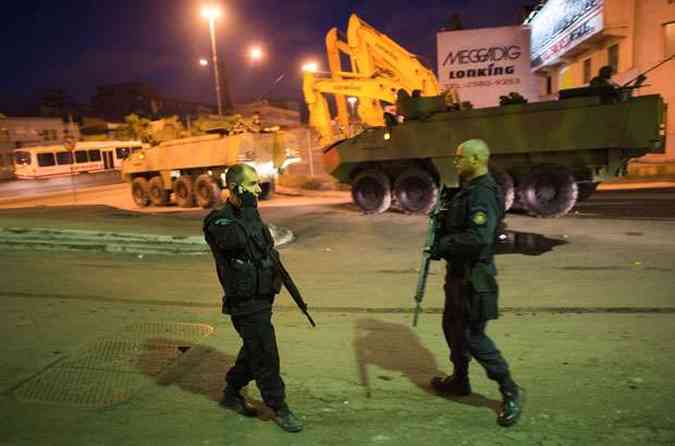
(76, 45)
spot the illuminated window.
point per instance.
(669, 31)
(45, 159)
(80, 156)
(587, 70)
(122, 153)
(22, 158)
(613, 57)
(64, 158)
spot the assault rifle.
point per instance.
(640, 78)
(433, 229)
(293, 290)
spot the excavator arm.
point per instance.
(379, 69)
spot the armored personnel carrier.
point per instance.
(545, 155)
(193, 169)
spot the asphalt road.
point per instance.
(34, 188)
(95, 344)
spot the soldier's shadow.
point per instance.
(194, 368)
(395, 347)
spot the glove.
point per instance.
(441, 248)
(248, 200)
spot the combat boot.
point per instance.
(287, 419)
(233, 400)
(512, 406)
(455, 385)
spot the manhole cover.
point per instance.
(113, 368)
(121, 356)
(80, 387)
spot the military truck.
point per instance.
(194, 168)
(546, 155)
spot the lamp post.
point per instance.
(211, 13)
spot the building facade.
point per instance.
(572, 39)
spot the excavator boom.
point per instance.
(379, 69)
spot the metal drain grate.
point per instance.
(123, 356)
(113, 368)
(80, 387)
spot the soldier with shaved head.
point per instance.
(467, 243)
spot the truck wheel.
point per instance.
(416, 191)
(207, 192)
(586, 189)
(549, 191)
(267, 190)
(371, 191)
(139, 192)
(505, 181)
(183, 188)
(158, 195)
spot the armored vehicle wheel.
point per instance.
(207, 192)
(549, 191)
(371, 191)
(586, 189)
(139, 192)
(416, 191)
(503, 178)
(267, 190)
(158, 195)
(183, 188)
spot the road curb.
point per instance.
(115, 242)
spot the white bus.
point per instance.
(88, 156)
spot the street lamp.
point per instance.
(211, 13)
(310, 66)
(203, 62)
(255, 53)
(352, 102)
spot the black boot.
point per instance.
(233, 400)
(512, 406)
(454, 385)
(287, 419)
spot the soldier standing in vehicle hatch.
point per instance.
(467, 242)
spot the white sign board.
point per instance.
(484, 64)
(562, 25)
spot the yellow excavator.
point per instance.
(380, 68)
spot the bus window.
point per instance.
(95, 155)
(80, 156)
(64, 158)
(45, 159)
(122, 153)
(22, 158)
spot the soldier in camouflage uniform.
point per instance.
(467, 242)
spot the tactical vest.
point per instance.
(252, 271)
(479, 271)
